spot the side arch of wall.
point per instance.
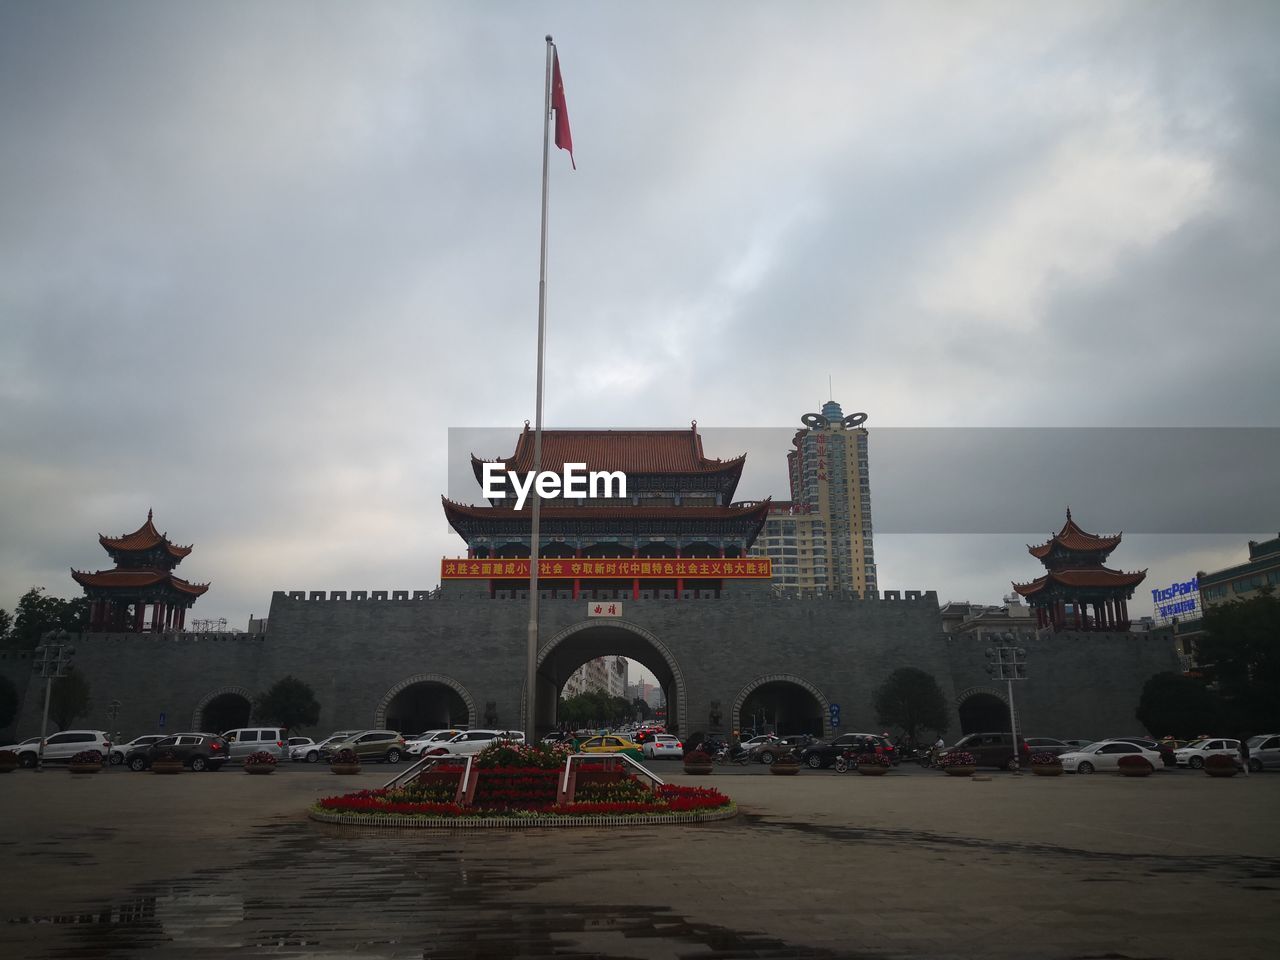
(197, 715)
(735, 717)
(380, 714)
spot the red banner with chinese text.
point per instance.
(643, 568)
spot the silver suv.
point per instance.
(246, 740)
(61, 747)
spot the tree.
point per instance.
(595, 708)
(8, 701)
(911, 699)
(1179, 706)
(641, 706)
(1241, 655)
(291, 703)
(37, 614)
(69, 699)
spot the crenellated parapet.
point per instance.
(354, 596)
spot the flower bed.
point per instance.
(260, 758)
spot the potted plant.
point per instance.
(873, 764)
(786, 765)
(166, 762)
(1220, 765)
(8, 761)
(698, 762)
(86, 761)
(959, 763)
(1046, 764)
(346, 762)
(1132, 765)
(260, 762)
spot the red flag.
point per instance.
(564, 139)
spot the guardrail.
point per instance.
(568, 765)
(426, 763)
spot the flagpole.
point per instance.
(531, 651)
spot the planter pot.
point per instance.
(1047, 770)
(872, 770)
(1140, 771)
(8, 767)
(699, 769)
(345, 769)
(784, 769)
(1221, 771)
(259, 768)
(85, 767)
(967, 771)
(163, 767)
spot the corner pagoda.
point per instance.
(143, 576)
(1077, 579)
(678, 534)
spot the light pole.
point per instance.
(113, 712)
(1009, 663)
(52, 660)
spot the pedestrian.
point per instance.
(1244, 755)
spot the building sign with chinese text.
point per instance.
(691, 568)
(604, 608)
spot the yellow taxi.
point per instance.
(612, 743)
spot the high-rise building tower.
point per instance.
(821, 540)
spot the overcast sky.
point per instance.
(257, 259)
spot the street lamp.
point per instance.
(52, 660)
(1009, 663)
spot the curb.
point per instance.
(509, 823)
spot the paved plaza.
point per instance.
(914, 864)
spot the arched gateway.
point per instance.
(425, 701)
(787, 704)
(222, 709)
(574, 645)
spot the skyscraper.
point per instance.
(821, 540)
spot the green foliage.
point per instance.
(290, 702)
(1179, 706)
(69, 699)
(641, 708)
(8, 701)
(37, 614)
(595, 709)
(502, 753)
(912, 700)
(1241, 654)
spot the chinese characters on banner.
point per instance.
(727, 568)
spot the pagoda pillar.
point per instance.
(138, 609)
(1124, 613)
(635, 581)
(1111, 618)
(1079, 616)
(168, 617)
(182, 618)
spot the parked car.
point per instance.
(313, 753)
(759, 740)
(247, 740)
(1077, 744)
(1264, 752)
(384, 745)
(1194, 753)
(616, 744)
(767, 753)
(61, 747)
(428, 739)
(1050, 745)
(1104, 756)
(26, 750)
(558, 736)
(993, 750)
(662, 745)
(120, 751)
(472, 741)
(199, 751)
(824, 754)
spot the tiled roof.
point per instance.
(1073, 538)
(126, 579)
(631, 451)
(1096, 577)
(144, 538)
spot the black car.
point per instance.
(823, 754)
(199, 751)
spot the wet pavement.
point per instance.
(818, 865)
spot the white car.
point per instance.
(118, 752)
(428, 740)
(26, 749)
(298, 747)
(316, 751)
(662, 745)
(472, 741)
(1193, 754)
(1105, 756)
(1264, 752)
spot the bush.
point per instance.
(874, 760)
(698, 757)
(1134, 762)
(1219, 761)
(8, 756)
(958, 758)
(1043, 759)
(345, 755)
(88, 756)
(260, 759)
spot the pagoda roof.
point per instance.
(671, 452)
(1094, 577)
(134, 579)
(146, 537)
(754, 509)
(1072, 537)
